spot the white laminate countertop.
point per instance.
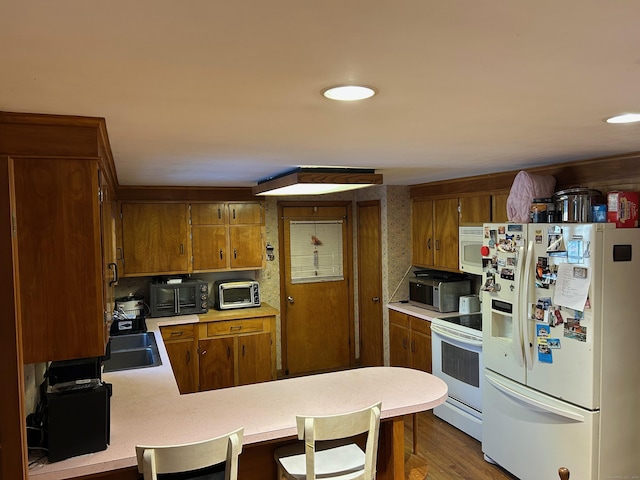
(419, 312)
(146, 407)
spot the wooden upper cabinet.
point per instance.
(59, 264)
(246, 213)
(445, 233)
(155, 238)
(475, 210)
(422, 232)
(499, 207)
(172, 238)
(108, 209)
(209, 213)
(246, 246)
(210, 247)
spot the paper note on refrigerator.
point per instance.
(572, 286)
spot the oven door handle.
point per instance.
(467, 340)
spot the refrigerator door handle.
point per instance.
(524, 317)
(517, 334)
(537, 404)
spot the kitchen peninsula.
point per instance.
(147, 408)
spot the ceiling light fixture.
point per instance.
(348, 93)
(625, 118)
(317, 180)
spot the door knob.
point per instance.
(290, 299)
(375, 299)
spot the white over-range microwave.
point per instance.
(470, 242)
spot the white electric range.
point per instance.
(456, 343)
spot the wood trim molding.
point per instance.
(185, 194)
(604, 172)
(13, 428)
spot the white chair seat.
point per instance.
(327, 450)
(338, 462)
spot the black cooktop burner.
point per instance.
(469, 320)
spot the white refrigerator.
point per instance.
(561, 348)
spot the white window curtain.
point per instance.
(316, 251)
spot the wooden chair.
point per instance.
(196, 458)
(336, 457)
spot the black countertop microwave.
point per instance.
(185, 298)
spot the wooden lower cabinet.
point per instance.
(224, 349)
(236, 352)
(254, 358)
(180, 342)
(410, 341)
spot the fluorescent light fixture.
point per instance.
(317, 180)
(625, 118)
(348, 93)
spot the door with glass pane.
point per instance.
(317, 316)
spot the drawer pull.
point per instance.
(236, 328)
(177, 334)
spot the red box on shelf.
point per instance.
(622, 209)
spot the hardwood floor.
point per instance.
(446, 453)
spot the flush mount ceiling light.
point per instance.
(348, 93)
(317, 180)
(625, 118)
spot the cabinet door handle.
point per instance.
(221, 254)
(219, 213)
(188, 356)
(234, 213)
(429, 244)
(114, 266)
(181, 248)
(204, 352)
(437, 244)
(404, 343)
(235, 253)
(413, 346)
(243, 350)
(228, 352)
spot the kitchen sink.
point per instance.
(137, 350)
(133, 340)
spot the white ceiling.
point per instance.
(225, 93)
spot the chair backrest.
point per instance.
(345, 425)
(154, 460)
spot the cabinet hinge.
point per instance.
(100, 195)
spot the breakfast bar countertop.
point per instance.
(146, 407)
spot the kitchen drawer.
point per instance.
(177, 332)
(235, 327)
(420, 325)
(398, 318)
